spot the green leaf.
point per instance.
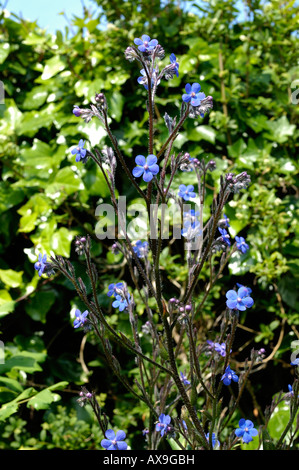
(61, 241)
(65, 182)
(42, 400)
(203, 132)
(6, 303)
(4, 51)
(280, 130)
(39, 304)
(53, 66)
(11, 278)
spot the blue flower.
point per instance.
(141, 249)
(184, 379)
(215, 442)
(193, 94)
(226, 220)
(246, 430)
(191, 230)
(241, 244)
(173, 61)
(41, 264)
(239, 300)
(163, 425)
(248, 288)
(112, 288)
(121, 303)
(295, 362)
(220, 349)
(77, 111)
(79, 151)
(146, 166)
(228, 376)
(224, 236)
(80, 318)
(145, 44)
(143, 80)
(186, 192)
(114, 442)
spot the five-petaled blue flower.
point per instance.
(121, 303)
(146, 166)
(173, 61)
(224, 236)
(239, 300)
(228, 376)
(193, 94)
(141, 249)
(241, 244)
(80, 318)
(246, 430)
(114, 442)
(186, 192)
(163, 425)
(79, 151)
(40, 264)
(145, 44)
(112, 288)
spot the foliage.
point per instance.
(248, 65)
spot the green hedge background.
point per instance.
(244, 54)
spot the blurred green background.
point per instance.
(244, 54)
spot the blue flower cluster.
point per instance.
(122, 297)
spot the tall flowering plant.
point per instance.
(170, 388)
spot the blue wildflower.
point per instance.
(121, 303)
(173, 61)
(41, 264)
(215, 442)
(249, 290)
(193, 94)
(184, 379)
(112, 288)
(228, 376)
(163, 425)
(79, 151)
(143, 79)
(80, 318)
(145, 44)
(295, 362)
(77, 111)
(220, 349)
(246, 430)
(226, 220)
(186, 192)
(146, 166)
(191, 230)
(114, 442)
(241, 244)
(239, 300)
(224, 236)
(141, 249)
